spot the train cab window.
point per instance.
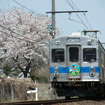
(74, 54)
(57, 55)
(89, 54)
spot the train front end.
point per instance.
(74, 65)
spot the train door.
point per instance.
(74, 61)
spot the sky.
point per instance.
(95, 14)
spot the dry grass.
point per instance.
(44, 91)
(15, 89)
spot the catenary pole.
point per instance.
(53, 19)
(53, 12)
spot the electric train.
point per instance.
(77, 66)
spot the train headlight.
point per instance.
(92, 72)
(56, 72)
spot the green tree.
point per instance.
(7, 69)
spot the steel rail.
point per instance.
(49, 102)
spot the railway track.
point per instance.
(49, 102)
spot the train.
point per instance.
(77, 66)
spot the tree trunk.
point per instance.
(27, 69)
(25, 74)
(28, 66)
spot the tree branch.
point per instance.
(16, 60)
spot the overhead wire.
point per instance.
(12, 32)
(77, 14)
(25, 7)
(88, 22)
(68, 2)
(83, 14)
(25, 38)
(74, 5)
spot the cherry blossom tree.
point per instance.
(23, 39)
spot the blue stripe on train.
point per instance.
(66, 69)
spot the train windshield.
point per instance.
(57, 55)
(74, 54)
(89, 54)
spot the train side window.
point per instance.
(57, 55)
(89, 54)
(74, 54)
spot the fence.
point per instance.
(34, 91)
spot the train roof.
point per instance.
(75, 35)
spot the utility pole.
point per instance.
(53, 19)
(53, 12)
